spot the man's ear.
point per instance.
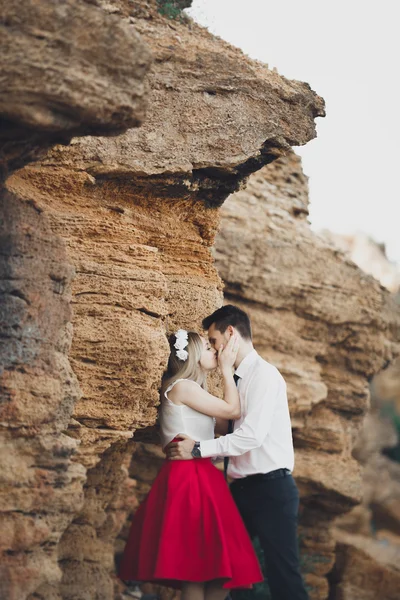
(230, 330)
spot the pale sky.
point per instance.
(349, 52)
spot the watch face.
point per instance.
(196, 451)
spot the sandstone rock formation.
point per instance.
(325, 324)
(41, 489)
(134, 218)
(369, 535)
(57, 81)
(67, 69)
(365, 570)
(214, 117)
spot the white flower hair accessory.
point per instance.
(182, 341)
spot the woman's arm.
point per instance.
(189, 393)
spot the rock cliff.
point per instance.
(106, 248)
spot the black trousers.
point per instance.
(269, 510)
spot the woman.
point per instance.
(188, 533)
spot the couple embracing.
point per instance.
(193, 532)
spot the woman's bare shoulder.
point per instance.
(182, 388)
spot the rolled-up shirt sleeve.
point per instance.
(263, 394)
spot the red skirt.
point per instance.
(189, 529)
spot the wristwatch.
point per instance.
(196, 453)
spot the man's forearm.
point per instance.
(233, 444)
(208, 448)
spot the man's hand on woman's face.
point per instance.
(227, 354)
(180, 450)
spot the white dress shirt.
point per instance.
(262, 438)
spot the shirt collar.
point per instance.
(246, 363)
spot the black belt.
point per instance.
(264, 476)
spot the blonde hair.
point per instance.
(185, 369)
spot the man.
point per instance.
(260, 453)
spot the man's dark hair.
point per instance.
(229, 315)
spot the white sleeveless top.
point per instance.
(179, 418)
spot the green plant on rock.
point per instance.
(172, 9)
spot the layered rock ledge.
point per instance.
(57, 79)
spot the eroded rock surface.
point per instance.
(57, 81)
(143, 267)
(365, 570)
(41, 488)
(67, 69)
(214, 116)
(369, 535)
